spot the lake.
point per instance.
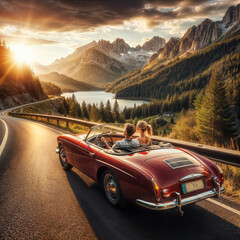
(98, 96)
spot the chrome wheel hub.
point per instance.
(111, 188)
(63, 155)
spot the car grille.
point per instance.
(179, 162)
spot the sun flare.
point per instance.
(22, 54)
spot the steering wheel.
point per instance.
(99, 143)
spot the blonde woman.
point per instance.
(145, 131)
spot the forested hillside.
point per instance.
(177, 82)
(18, 84)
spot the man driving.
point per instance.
(127, 142)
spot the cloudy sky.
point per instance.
(52, 29)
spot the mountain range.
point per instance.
(198, 37)
(100, 63)
(182, 68)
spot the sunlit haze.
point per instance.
(22, 54)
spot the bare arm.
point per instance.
(150, 141)
(105, 142)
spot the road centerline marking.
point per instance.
(4, 141)
(224, 206)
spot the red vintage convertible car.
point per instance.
(156, 177)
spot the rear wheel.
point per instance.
(63, 159)
(112, 189)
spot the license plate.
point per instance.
(192, 186)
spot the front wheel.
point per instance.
(112, 189)
(63, 159)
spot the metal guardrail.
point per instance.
(217, 154)
(53, 117)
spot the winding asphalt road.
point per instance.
(39, 200)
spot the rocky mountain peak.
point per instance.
(120, 46)
(170, 45)
(154, 44)
(138, 47)
(104, 45)
(232, 15)
(206, 22)
(165, 51)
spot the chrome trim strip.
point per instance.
(191, 163)
(184, 201)
(191, 176)
(75, 145)
(109, 165)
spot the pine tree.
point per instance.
(216, 121)
(238, 103)
(79, 110)
(73, 109)
(108, 112)
(198, 101)
(61, 109)
(116, 112)
(102, 112)
(95, 116)
(154, 125)
(84, 110)
(74, 98)
(66, 105)
(89, 109)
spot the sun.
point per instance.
(22, 54)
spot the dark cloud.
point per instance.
(81, 15)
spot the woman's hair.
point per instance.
(145, 127)
(130, 129)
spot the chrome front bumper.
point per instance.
(179, 202)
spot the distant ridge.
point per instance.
(66, 83)
(100, 63)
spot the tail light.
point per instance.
(166, 193)
(216, 179)
(222, 179)
(221, 174)
(156, 190)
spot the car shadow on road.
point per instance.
(137, 223)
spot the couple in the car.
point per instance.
(145, 131)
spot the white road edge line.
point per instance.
(2, 146)
(224, 206)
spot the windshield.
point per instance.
(112, 128)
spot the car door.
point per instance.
(84, 158)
